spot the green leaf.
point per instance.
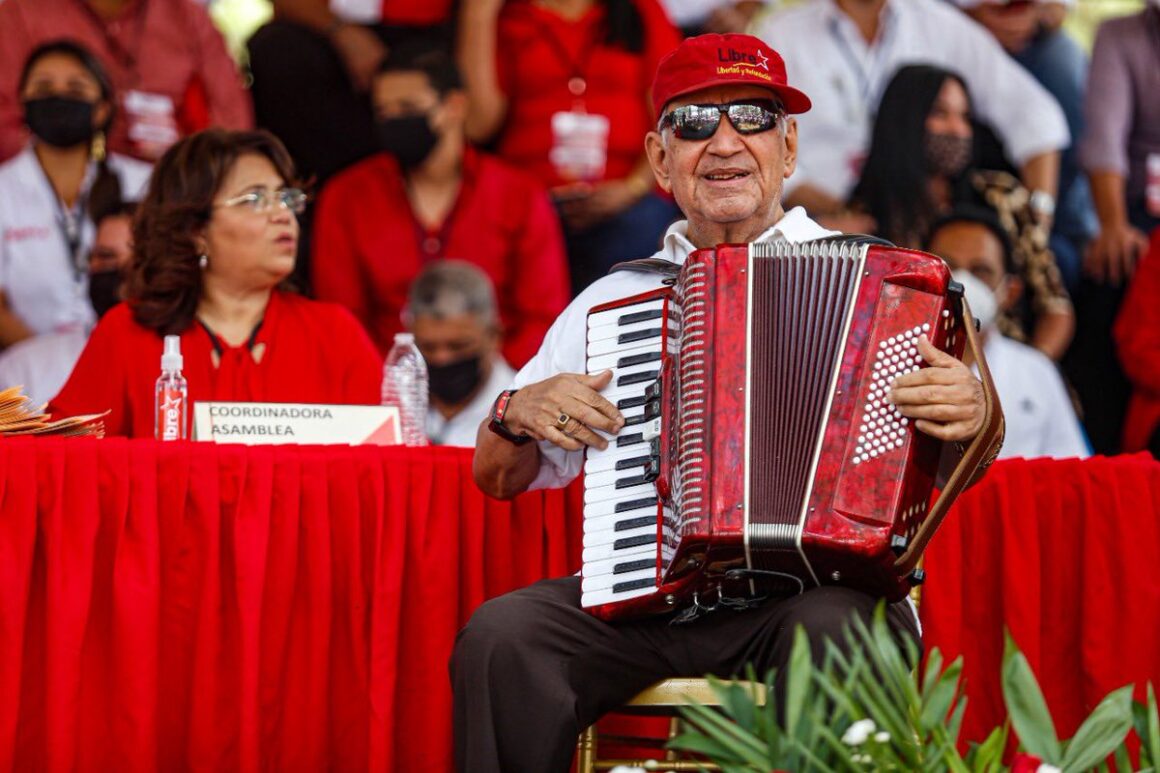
(988, 756)
(937, 703)
(1103, 730)
(797, 679)
(1025, 705)
(1151, 737)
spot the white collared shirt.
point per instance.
(564, 347)
(1039, 416)
(47, 288)
(460, 429)
(42, 364)
(827, 58)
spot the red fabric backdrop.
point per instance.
(1066, 556)
(173, 606)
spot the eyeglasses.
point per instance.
(700, 122)
(262, 200)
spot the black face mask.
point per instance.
(454, 382)
(409, 139)
(62, 122)
(104, 291)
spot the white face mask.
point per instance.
(984, 305)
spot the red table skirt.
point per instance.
(1066, 556)
(173, 606)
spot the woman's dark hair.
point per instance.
(106, 185)
(165, 280)
(894, 187)
(624, 26)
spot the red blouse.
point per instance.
(369, 247)
(1137, 334)
(314, 353)
(538, 52)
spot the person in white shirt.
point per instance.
(45, 228)
(1040, 418)
(451, 311)
(844, 52)
(41, 364)
(533, 664)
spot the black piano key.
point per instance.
(623, 587)
(631, 402)
(633, 566)
(634, 542)
(632, 421)
(635, 523)
(638, 335)
(639, 316)
(636, 461)
(635, 480)
(623, 441)
(638, 359)
(636, 504)
(636, 378)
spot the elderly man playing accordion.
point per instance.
(533, 668)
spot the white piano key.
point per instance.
(610, 458)
(605, 550)
(612, 316)
(606, 581)
(611, 477)
(613, 345)
(611, 536)
(608, 507)
(614, 332)
(606, 361)
(597, 598)
(608, 522)
(622, 557)
(611, 492)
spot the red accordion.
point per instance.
(760, 455)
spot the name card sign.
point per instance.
(302, 423)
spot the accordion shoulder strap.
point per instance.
(649, 266)
(975, 460)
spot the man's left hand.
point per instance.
(944, 400)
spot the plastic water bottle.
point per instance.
(171, 402)
(405, 386)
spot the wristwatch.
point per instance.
(498, 409)
(1042, 204)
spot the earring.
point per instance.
(98, 147)
(203, 261)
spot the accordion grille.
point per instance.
(800, 305)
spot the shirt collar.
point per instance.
(794, 226)
(886, 18)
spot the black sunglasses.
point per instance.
(700, 122)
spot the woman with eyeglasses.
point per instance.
(46, 229)
(214, 244)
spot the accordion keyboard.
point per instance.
(620, 493)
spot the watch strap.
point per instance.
(498, 411)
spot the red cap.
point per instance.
(716, 60)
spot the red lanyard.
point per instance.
(432, 244)
(577, 67)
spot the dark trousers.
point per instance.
(531, 669)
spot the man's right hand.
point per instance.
(361, 52)
(1111, 256)
(536, 410)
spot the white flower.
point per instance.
(882, 736)
(1045, 768)
(857, 733)
(861, 759)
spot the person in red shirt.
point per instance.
(169, 67)
(1137, 334)
(562, 87)
(214, 240)
(429, 196)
